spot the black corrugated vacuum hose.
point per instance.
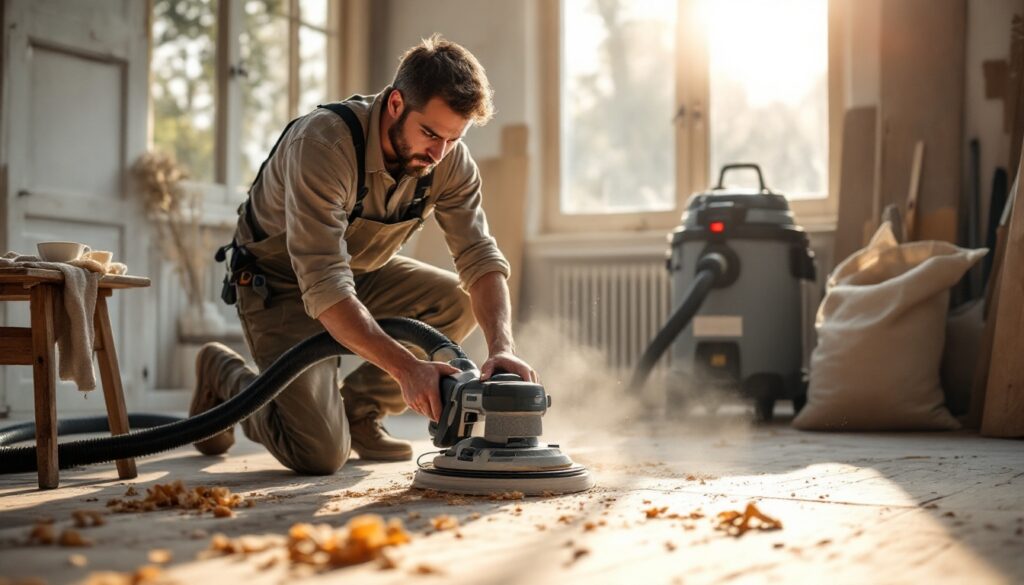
(709, 269)
(173, 432)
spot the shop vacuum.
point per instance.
(742, 276)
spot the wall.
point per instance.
(493, 30)
(988, 38)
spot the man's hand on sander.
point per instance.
(506, 361)
(421, 386)
(353, 326)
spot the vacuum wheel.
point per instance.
(764, 390)
(798, 403)
(764, 407)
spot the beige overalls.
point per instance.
(306, 426)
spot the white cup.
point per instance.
(102, 256)
(61, 251)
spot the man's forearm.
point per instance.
(493, 311)
(352, 325)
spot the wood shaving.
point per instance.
(87, 518)
(223, 512)
(77, 560)
(42, 533)
(578, 554)
(71, 537)
(737, 524)
(444, 522)
(159, 556)
(654, 511)
(425, 569)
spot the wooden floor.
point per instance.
(855, 508)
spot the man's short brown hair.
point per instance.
(440, 68)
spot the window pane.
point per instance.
(182, 90)
(313, 12)
(769, 90)
(312, 69)
(618, 139)
(264, 50)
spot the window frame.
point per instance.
(223, 194)
(692, 131)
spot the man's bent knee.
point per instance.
(324, 461)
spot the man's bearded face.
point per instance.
(411, 163)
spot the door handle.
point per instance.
(24, 193)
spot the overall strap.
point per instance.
(273, 149)
(257, 232)
(419, 200)
(359, 142)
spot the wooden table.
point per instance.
(34, 346)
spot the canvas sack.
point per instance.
(881, 329)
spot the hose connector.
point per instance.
(715, 262)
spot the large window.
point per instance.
(227, 76)
(618, 143)
(769, 90)
(656, 95)
(183, 82)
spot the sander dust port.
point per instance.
(742, 275)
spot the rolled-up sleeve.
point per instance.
(461, 217)
(315, 218)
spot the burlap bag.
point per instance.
(881, 328)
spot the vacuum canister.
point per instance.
(751, 333)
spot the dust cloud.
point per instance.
(593, 404)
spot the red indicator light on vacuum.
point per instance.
(717, 227)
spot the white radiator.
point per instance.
(616, 307)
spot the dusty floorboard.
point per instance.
(855, 508)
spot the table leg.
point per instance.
(110, 374)
(44, 380)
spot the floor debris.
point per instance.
(218, 500)
(321, 546)
(737, 524)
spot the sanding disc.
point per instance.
(479, 483)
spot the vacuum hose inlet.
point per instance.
(710, 269)
(173, 433)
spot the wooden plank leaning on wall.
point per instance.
(1003, 414)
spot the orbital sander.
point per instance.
(509, 456)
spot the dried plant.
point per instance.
(176, 212)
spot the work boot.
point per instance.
(372, 442)
(213, 363)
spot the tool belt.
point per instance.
(242, 270)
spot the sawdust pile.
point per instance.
(365, 538)
(218, 500)
(737, 524)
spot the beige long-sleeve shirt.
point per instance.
(308, 189)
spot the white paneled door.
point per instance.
(74, 120)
